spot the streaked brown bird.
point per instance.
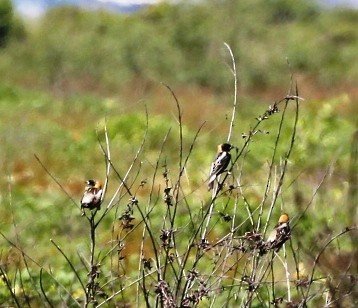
(220, 163)
(280, 234)
(91, 198)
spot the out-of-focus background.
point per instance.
(67, 66)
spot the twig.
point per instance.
(37, 264)
(56, 181)
(70, 264)
(235, 91)
(43, 289)
(346, 230)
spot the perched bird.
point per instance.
(92, 196)
(220, 163)
(280, 234)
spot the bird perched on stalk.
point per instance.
(220, 163)
(280, 234)
(91, 198)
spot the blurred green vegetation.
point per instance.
(182, 44)
(66, 75)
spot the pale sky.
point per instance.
(34, 9)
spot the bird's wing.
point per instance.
(220, 163)
(272, 236)
(87, 198)
(97, 196)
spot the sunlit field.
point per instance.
(140, 102)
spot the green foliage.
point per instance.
(341, 37)
(183, 44)
(324, 122)
(11, 27)
(6, 20)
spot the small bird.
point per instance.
(92, 196)
(220, 163)
(280, 234)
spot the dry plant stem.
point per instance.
(124, 288)
(72, 267)
(93, 224)
(223, 259)
(2, 272)
(107, 158)
(149, 230)
(115, 246)
(93, 237)
(21, 250)
(123, 180)
(177, 186)
(231, 290)
(208, 216)
(273, 279)
(288, 153)
(352, 195)
(184, 164)
(156, 169)
(278, 188)
(43, 289)
(216, 191)
(338, 286)
(255, 260)
(347, 230)
(234, 217)
(12, 244)
(107, 155)
(312, 198)
(235, 91)
(224, 238)
(9, 287)
(255, 264)
(285, 265)
(185, 258)
(247, 205)
(296, 258)
(90, 289)
(178, 183)
(244, 148)
(56, 181)
(30, 276)
(199, 254)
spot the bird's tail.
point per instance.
(211, 182)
